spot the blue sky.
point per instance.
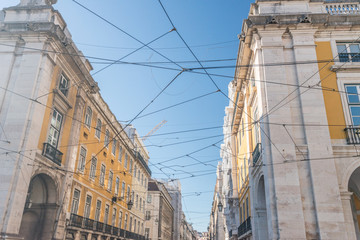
(210, 28)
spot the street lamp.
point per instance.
(220, 207)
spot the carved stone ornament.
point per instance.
(37, 2)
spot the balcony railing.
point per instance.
(99, 227)
(142, 161)
(52, 153)
(108, 228)
(256, 153)
(352, 135)
(342, 8)
(230, 233)
(349, 57)
(244, 227)
(76, 220)
(88, 223)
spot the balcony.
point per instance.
(99, 227)
(256, 153)
(244, 227)
(142, 161)
(342, 8)
(52, 153)
(352, 135)
(349, 57)
(76, 220)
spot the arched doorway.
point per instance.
(40, 209)
(354, 188)
(261, 213)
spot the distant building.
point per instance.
(159, 213)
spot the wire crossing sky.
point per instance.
(134, 64)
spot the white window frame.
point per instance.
(64, 89)
(111, 176)
(98, 128)
(75, 201)
(82, 159)
(102, 175)
(88, 117)
(87, 207)
(93, 165)
(113, 148)
(117, 185)
(55, 127)
(107, 138)
(98, 210)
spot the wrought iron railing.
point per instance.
(256, 153)
(244, 227)
(352, 135)
(108, 228)
(342, 8)
(52, 153)
(88, 223)
(76, 220)
(142, 161)
(230, 233)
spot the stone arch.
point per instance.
(260, 214)
(344, 184)
(40, 208)
(354, 189)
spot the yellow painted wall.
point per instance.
(333, 105)
(94, 146)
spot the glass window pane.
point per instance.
(341, 48)
(354, 48)
(355, 111)
(352, 94)
(356, 121)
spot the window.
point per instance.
(106, 216)
(82, 157)
(132, 196)
(131, 166)
(140, 203)
(242, 127)
(93, 168)
(88, 116)
(352, 92)
(107, 137)
(348, 52)
(257, 126)
(128, 194)
(120, 153)
(120, 219)
(145, 182)
(110, 180)
(147, 215)
(149, 198)
(241, 216)
(55, 127)
(75, 202)
(147, 233)
(113, 149)
(123, 190)
(142, 179)
(247, 207)
(244, 211)
(113, 217)
(97, 211)
(135, 169)
(143, 205)
(125, 221)
(126, 160)
(117, 185)
(98, 128)
(137, 201)
(102, 175)
(87, 206)
(130, 223)
(64, 85)
(138, 175)
(134, 225)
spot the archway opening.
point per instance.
(261, 211)
(354, 188)
(40, 209)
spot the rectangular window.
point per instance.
(123, 190)
(106, 214)
(120, 219)
(120, 153)
(75, 202)
(82, 157)
(98, 129)
(137, 201)
(125, 221)
(247, 207)
(117, 185)
(64, 85)
(88, 116)
(140, 203)
(257, 127)
(142, 179)
(113, 217)
(147, 233)
(102, 175)
(126, 160)
(55, 127)
(110, 181)
(87, 206)
(130, 223)
(113, 149)
(147, 215)
(128, 194)
(135, 169)
(149, 198)
(143, 205)
(107, 137)
(93, 168)
(97, 211)
(131, 166)
(348, 52)
(241, 216)
(352, 93)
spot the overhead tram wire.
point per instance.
(131, 53)
(126, 33)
